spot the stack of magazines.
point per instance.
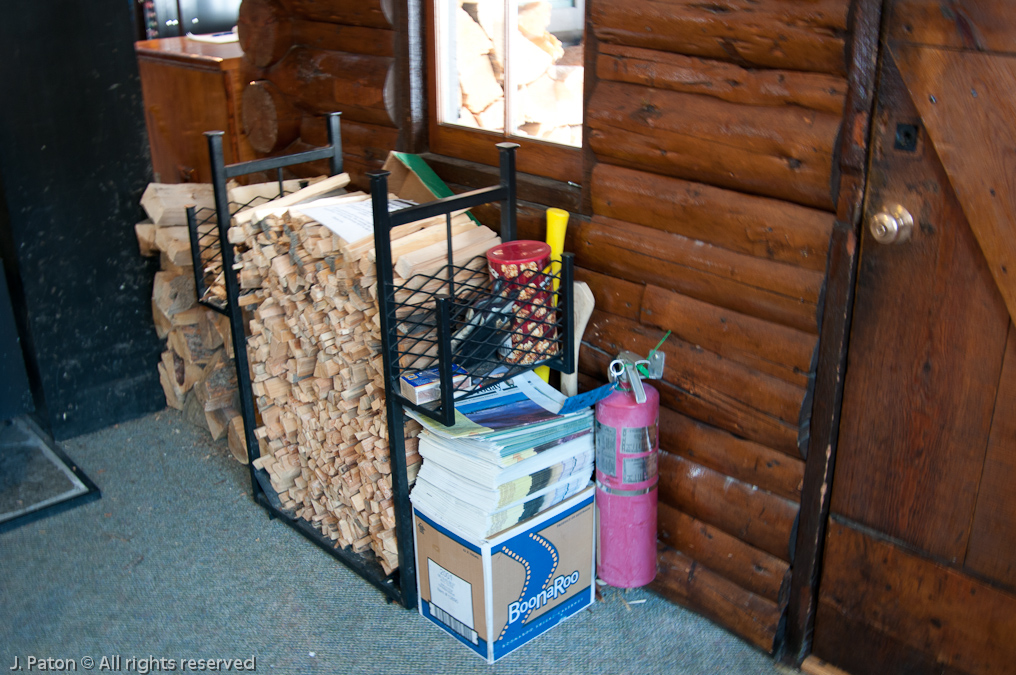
(510, 455)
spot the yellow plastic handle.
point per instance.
(557, 225)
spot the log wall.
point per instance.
(712, 131)
(305, 59)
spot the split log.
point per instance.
(765, 228)
(707, 375)
(748, 567)
(174, 244)
(370, 13)
(236, 440)
(759, 518)
(774, 34)
(747, 461)
(166, 203)
(684, 581)
(314, 191)
(785, 152)
(145, 232)
(218, 421)
(171, 295)
(764, 346)
(475, 241)
(727, 81)
(775, 292)
(321, 82)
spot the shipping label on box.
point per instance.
(496, 595)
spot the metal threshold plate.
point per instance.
(34, 474)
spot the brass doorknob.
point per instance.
(892, 225)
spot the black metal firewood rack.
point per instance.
(431, 322)
(206, 245)
(445, 303)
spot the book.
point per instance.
(464, 518)
(510, 455)
(520, 408)
(505, 492)
(490, 474)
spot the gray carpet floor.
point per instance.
(177, 562)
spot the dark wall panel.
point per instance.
(74, 161)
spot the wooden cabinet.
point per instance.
(189, 88)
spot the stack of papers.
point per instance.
(509, 456)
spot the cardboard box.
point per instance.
(412, 178)
(496, 595)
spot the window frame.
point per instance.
(536, 157)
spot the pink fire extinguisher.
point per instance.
(627, 446)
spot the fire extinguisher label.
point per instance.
(638, 440)
(606, 449)
(638, 469)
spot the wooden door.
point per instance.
(919, 566)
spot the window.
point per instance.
(509, 69)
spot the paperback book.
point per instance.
(509, 456)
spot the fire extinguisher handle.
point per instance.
(635, 380)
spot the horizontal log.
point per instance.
(320, 82)
(370, 13)
(269, 119)
(747, 461)
(757, 517)
(687, 583)
(723, 414)
(775, 34)
(264, 31)
(535, 189)
(758, 226)
(349, 39)
(705, 374)
(748, 567)
(613, 295)
(531, 220)
(368, 142)
(772, 291)
(783, 352)
(727, 81)
(785, 152)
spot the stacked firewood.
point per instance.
(196, 369)
(317, 367)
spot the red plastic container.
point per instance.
(522, 264)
